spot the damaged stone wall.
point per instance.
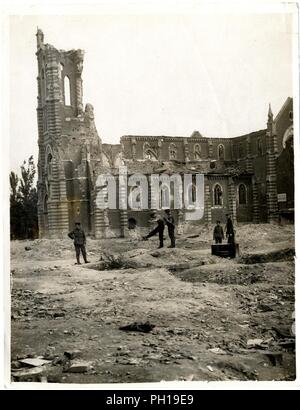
(72, 156)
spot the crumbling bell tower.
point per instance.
(69, 145)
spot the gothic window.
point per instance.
(259, 147)
(218, 200)
(291, 115)
(164, 197)
(197, 151)
(60, 70)
(192, 194)
(149, 153)
(221, 152)
(49, 165)
(172, 151)
(67, 91)
(134, 195)
(242, 194)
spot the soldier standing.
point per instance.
(171, 227)
(218, 233)
(78, 236)
(229, 230)
(160, 230)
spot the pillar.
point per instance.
(232, 199)
(79, 67)
(271, 180)
(207, 202)
(100, 216)
(186, 150)
(255, 201)
(210, 149)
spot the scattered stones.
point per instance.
(24, 374)
(28, 248)
(59, 314)
(34, 362)
(72, 354)
(210, 368)
(78, 367)
(217, 350)
(49, 353)
(254, 343)
(15, 364)
(145, 327)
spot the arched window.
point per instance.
(242, 194)
(218, 199)
(197, 151)
(149, 152)
(221, 151)
(60, 70)
(192, 193)
(164, 197)
(259, 147)
(67, 90)
(135, 198)
(172, 151)
(49, 165)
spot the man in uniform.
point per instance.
(218, 233)
(169, 220)
(78, 236)
(160, 230)
(229, 230)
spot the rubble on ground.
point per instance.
(215, 319)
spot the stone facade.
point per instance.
(243, 175)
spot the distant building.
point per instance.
(250, 176)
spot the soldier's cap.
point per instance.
(167, 211)
(77, 223)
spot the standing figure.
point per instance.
(160, 230)
(218, 233)
(229, 229)
(78, 236)
(169, 220)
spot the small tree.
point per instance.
(23, 202)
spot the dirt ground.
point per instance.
(215, 318)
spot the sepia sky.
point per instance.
(158, 74)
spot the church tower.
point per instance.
(69, 145)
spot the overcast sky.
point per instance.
(158, 74)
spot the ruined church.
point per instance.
(250, 177)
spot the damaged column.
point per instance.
(272, 204)
(232, 199)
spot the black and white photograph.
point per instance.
(151, 195)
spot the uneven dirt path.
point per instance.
(203, 324)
